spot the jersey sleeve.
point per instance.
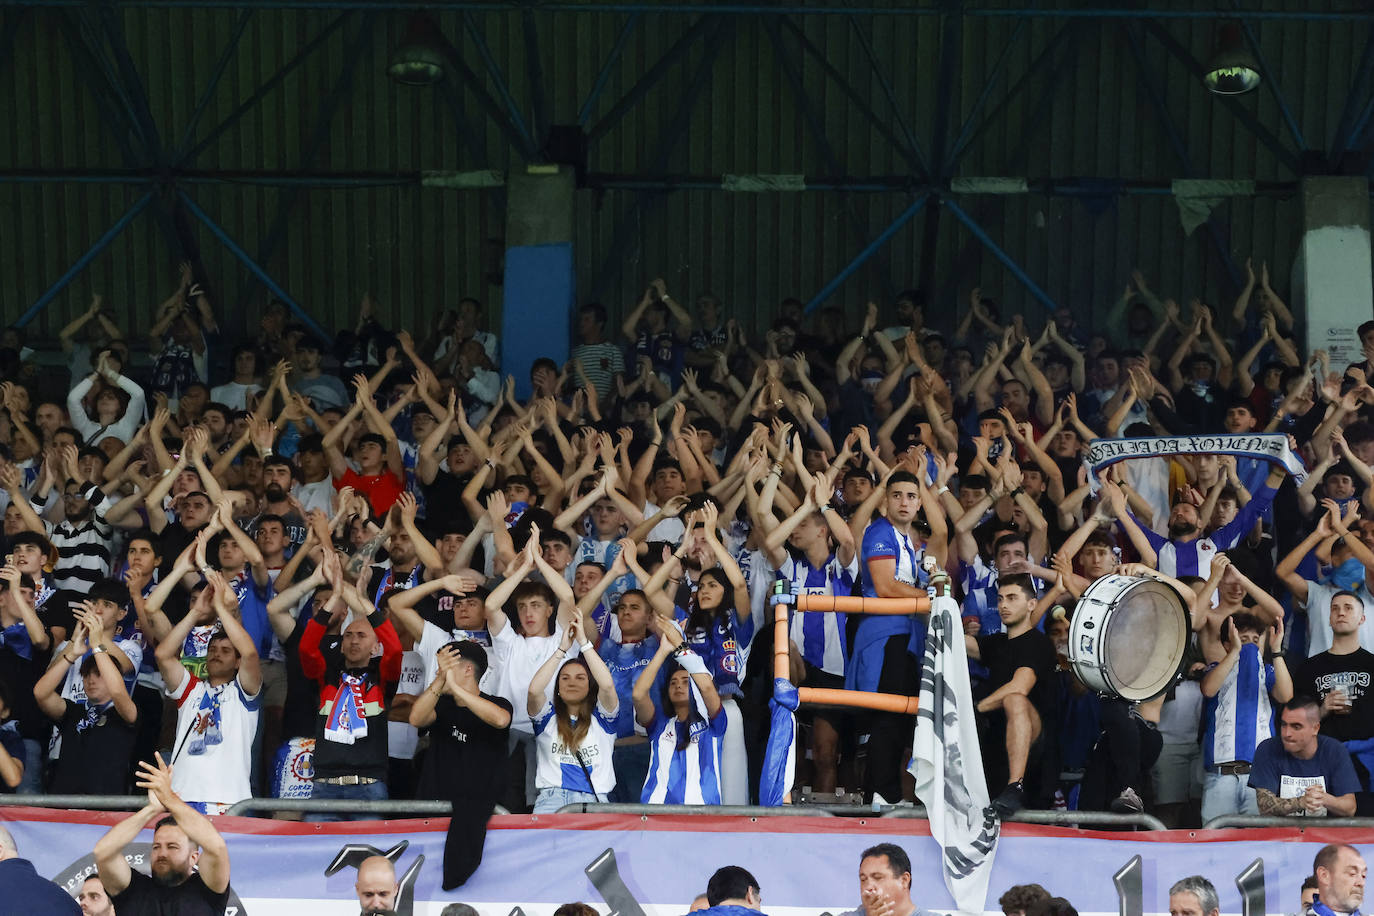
(880, 541)
(183, 691)
(541, 720)
(1264, 773)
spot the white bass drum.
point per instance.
(1127, 636)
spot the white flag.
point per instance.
(948, 765)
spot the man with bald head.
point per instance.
(24, 890)
(356, 688)
(376, 886)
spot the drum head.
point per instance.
(1142, 632)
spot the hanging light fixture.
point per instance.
(419, 59)
(1232, 69)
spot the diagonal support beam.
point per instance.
(1271, 82)
(584, 114)
(1350, 126)
(254, 268)
(539, 101)
(132, 83)
(855, 98)
(627, 237)
(276, 233)
(956, 151)
(517, 120)
(922, 162)
(262, 91)
(82, 262)
(651, 77)
(869, 250)
(224, 58)
(996, 251)
(816, 127)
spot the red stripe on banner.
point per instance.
(705, 823)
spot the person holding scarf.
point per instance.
(217, 716)
(356, 688)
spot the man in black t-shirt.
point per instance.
(1021, 662)
(466, 762)
(1340, 678)
(189, 860)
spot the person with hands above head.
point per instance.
(719, 625)
(356, 688)
(819, 559)
(453, 600)
(381, 467)
(886, 651)
(1241, 692)
(97, 733)
(241, 562)
(575, 731)
(217, 716)
(685, 721)
(1302, 772)
(1235, 593)
(189, 862)
(115, 417)
(1351, 562)
(543, 612)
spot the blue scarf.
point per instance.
(1322, 909)
(16, 638)
(205, 730)
(1349, 576)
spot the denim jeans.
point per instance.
(371, 792)
(550, 800)
(32, 783)
(1227, 795)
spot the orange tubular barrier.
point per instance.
(859, 699)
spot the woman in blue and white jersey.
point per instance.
(686, 729)
(575, 731)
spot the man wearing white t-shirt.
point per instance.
(216, 717)
(452, 594)
(519, 651)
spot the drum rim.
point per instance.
(1102, 669)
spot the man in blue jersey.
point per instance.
(1185, 552)
(886, 651)
(625, 658)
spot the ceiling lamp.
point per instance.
(419, 59)
(1232, 70)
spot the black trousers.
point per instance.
(889, 734)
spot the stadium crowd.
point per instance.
(363, 568)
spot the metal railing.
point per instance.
(388, 808)
(713, 810)
(1230, 821)
(1058, 818)
(77, 802)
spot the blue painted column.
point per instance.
(540, 284)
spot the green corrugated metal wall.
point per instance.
(417, 248)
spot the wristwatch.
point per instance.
(98, 650)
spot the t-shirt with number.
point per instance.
(1353, 673)
(1289, 777)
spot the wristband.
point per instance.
(943, 490)
(1017, 492)
(690, 662)
(560, 651)
(586, 647)
(99, 650)
(824, 508)
(267, 453)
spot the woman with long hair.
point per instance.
(684, 737)
(717, 626)
(575, 731)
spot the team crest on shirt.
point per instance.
(729, 655)
(1204, 546)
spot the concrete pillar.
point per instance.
(540, 285)
(1333, 279)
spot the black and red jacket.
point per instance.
(367, 756)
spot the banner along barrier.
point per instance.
(806, 866)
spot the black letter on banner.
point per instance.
(605, 875)
(1129, 890)
(1250, 883)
